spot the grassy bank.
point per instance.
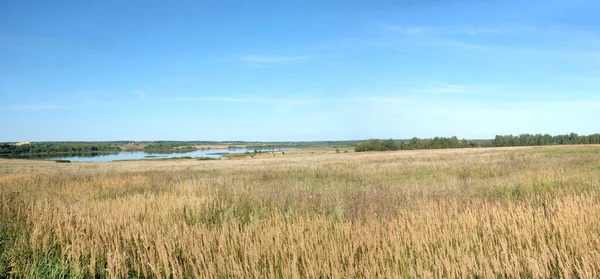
(512, 212)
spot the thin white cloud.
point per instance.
(141, 94)
(406, 30)
(226, 99)
(480, 31)
(269, 59)
(450, 89)
(447, 101)
(561, 54)
(383, 100)
(444, 36)
(474, 118)
(439, 105)
(459, 37)
(459, 44)
(437, 30)
(256, 100)
(36, 107)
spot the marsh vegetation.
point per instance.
(485, 212)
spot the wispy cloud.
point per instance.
(472, 118)
(561, 54)
(450, 89)
(36, 107)
(448, 94)
(481, 31)
(406, 30)
(141, 94)
(439, 30)
(226, 99)
(444, 36)
(453, 105)
(460, 44)
(253, 100)
(269, 59)
(583, 44)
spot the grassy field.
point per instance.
(487, 212)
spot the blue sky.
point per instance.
(270, 71)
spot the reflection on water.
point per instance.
(139, 155)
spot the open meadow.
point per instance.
(317, 213)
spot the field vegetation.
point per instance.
(531, 212)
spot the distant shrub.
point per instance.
(337, 150)
(377, 145)
(63, 161)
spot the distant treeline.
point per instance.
(538, 139)
(167, 146)
(498, 141)
(416, 143)
(370, 145)
(57, 147)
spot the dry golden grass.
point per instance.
(496, 212)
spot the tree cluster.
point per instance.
(56, 147)
(415, 143)
(498, 141)
(539, 139)
(167, 146)
(377, 145)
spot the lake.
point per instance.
(141, 155)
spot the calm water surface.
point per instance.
(139, 155)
